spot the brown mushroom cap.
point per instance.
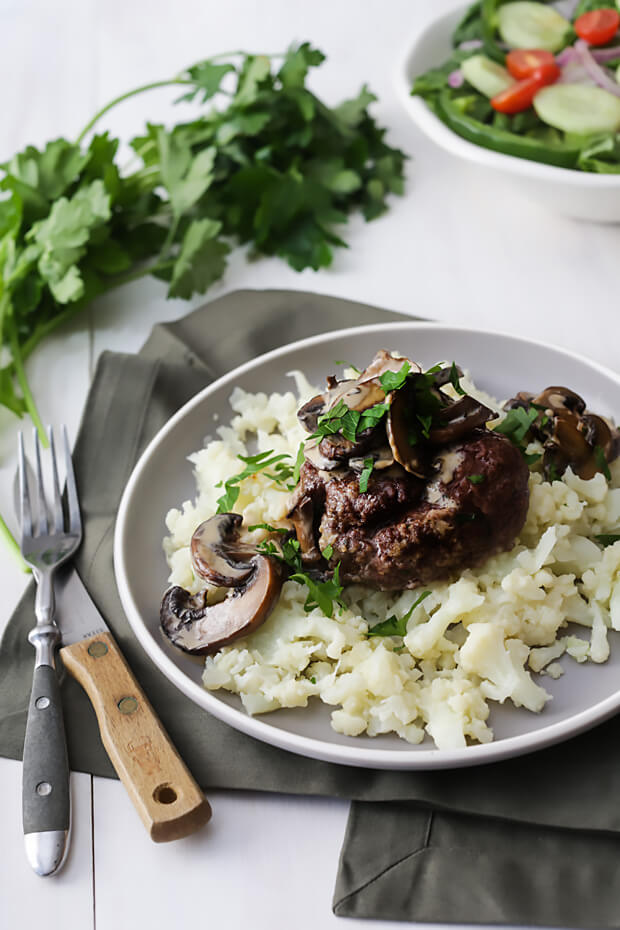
(458, 419)
(302, 515)
(571, 435)
(217, 555)
(411, 457)
(255, 581)
(199, 629)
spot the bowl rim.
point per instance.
(311, 747)
(450, 141)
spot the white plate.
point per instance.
(502, 365)
(578, 194)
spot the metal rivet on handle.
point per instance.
(97, 649)
(127, 705)
(41, 703)
(43, 788)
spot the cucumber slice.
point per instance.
(486, 75)
(532, 25)
(578, 108)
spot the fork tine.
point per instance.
(24, 494)
(75, 521)
(59, 520)
(43, 522)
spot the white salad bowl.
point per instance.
(578, 194)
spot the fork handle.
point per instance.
(46, 800)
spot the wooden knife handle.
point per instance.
(159, 784)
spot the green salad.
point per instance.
(532, 80)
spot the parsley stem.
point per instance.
(131, 93)
(22, 380)
(9, 540)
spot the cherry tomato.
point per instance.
(523, 62)
(598, 26)
(519, 96)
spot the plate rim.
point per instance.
(364, 757)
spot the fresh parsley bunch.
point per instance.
(267, 163)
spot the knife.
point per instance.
(164, 793)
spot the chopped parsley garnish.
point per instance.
(426, 422)
(365, 474)
(455, 380)
(531, 457)
(601, 462)
(322, 594)
(607, 539)
(253, 465)
(395, 626)
(475, 479)
(372, 416)
(341, 361)
(394, 380)
(289, 552)
(313, 680)
(328, 551)
(340, 419)
(554, 474)
(517, 424)
(299, 461)
(268, 527)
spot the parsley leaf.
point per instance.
(288, 552)
(475, 479)
(395, 626)
(201, 260)
(372, 416)
(328, 551)
(517, 423)
(601, 462)
(253, 465)
(366, 472)
(268, 527)
(393, 381)
(607, 539)
(455, 380)
(322, 594)
(299, 461)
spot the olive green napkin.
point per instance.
(534, 840)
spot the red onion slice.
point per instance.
(603, 55)
(471, 45)
(456, 78)
(598, 74)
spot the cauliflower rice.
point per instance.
(471, 641)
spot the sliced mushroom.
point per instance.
(559, 399)
(381, 458)
(571, 435)
(254, 581)
(309, 414)
(313, 454)
(217, 555)
(458, 419)
(411, 457)
(199, 629)
(384, 361)
(302, 516)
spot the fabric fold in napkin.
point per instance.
(533, 840)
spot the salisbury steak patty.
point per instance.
(405, 532)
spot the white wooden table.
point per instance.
(455, 248)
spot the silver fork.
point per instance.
(45, 544)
